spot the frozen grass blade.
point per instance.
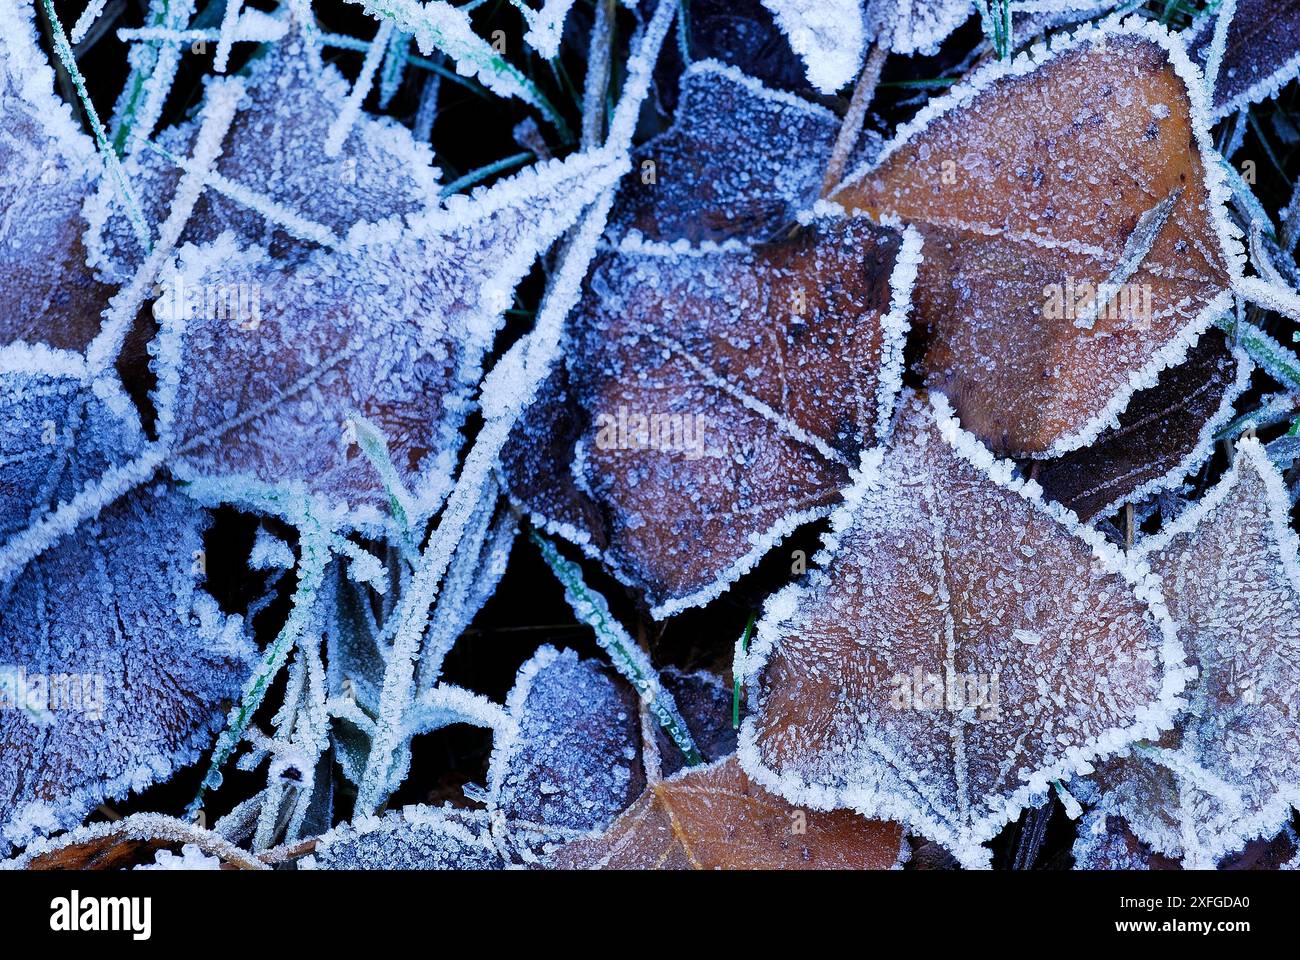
(628, 659)
(439, 25)
(485, 172)
(342, 126)
(1276, 360)
(229, 18)
(509, 388)
(63, 51)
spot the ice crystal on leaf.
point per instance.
(47, 169)
(139, 699)
(1074, 169)
(413, 838)
(1261, 55)
(719, 396)
(1226, 774)
(716, 817)
(572, 762)
(739, 163)
(1165, 433)
(271, 363)
(966, 644)
(828, 34)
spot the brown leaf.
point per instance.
(132, 841)
(716, 398)
(1033, 184)
(1165, 434)
(715, 817)
(966, 644)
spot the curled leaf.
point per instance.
(1166, 433)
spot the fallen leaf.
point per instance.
(1262, 53)
(1033, 184)
(966, 644)
(266, 366)
(60, 427)
(716, 818)
(1227, 773)
(412, 838)
(274, 151)
(739, 162)
(47, 169)
(720, 395)
(123, 664)
(572, 763)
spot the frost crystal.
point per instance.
(1227, 773)
(1027, 218)
(898, 681)
(721, 395)
(828, 34)
(715, 817)
(109, 633)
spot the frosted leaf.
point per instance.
(966, 644)
(59, 429)
(828, 34)
(275, 149)
(1166, 433)
(572, 763)
(279, 359)
(123, 661)
(1261, 56)
(1228, 773)
(740, 161)
(716, 397)
(412, 838)
(129, 841)
(715, 817)
(1035, 184)
(47, 168)
(1105, 842)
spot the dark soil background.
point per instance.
(474, 129)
